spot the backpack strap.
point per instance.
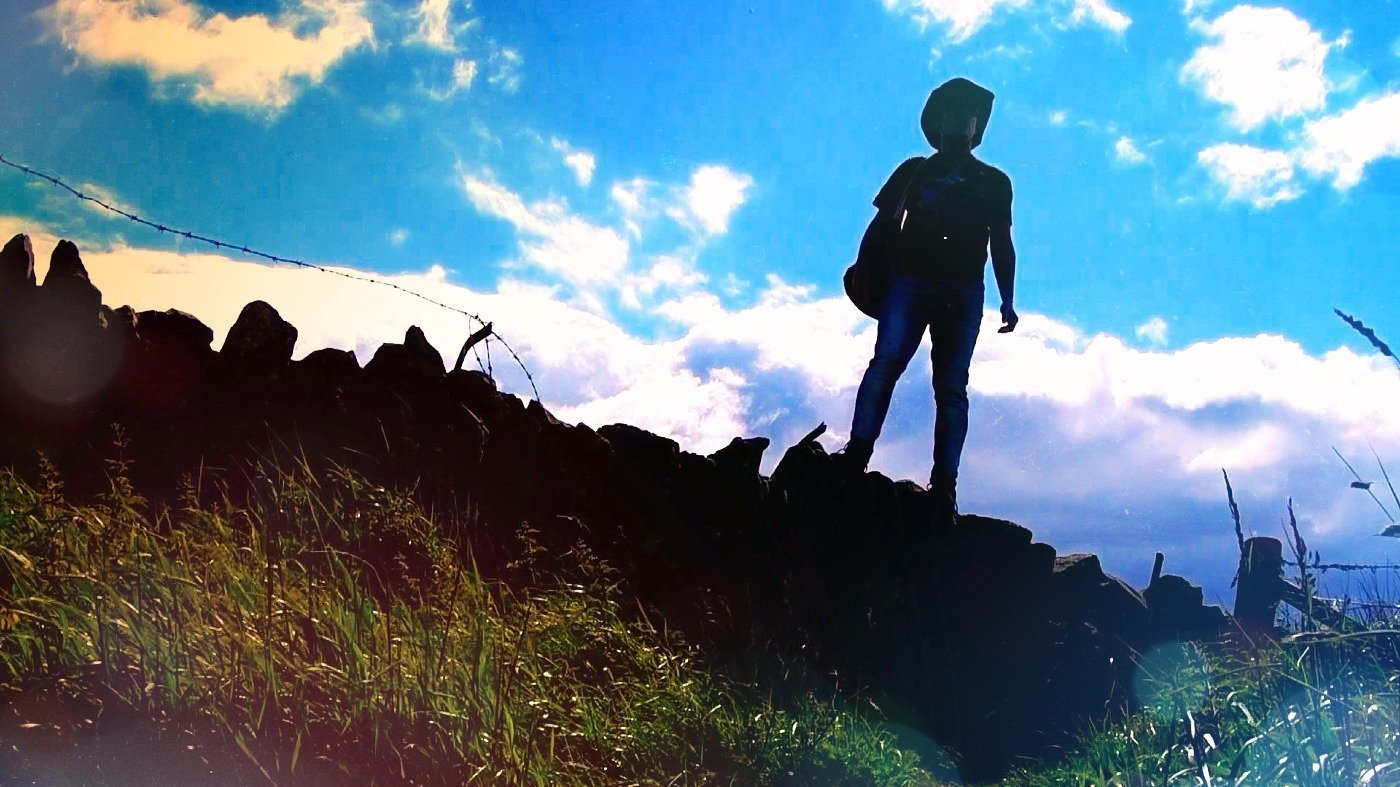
(900, 213)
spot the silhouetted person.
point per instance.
(943, 212)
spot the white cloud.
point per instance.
(1342, 145)
(713, 195)
(1154, 331)
(463, 77)
(1265, 64)
(505, 69)
(250, 62)
(963, 18)
(1260, 177)
(1126, 151)
(436, 29)
(668, 272)
(1100, 13)
(581, 162)
(1058, 117)
(554, 239)
(398, 237)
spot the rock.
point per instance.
(168, 364)
(415, 359)
(16, 266)
(259, 342)
(1108, 602)
(330, 364)
(741, 457)
(67, 283)
(1179, 611)
(173, 328)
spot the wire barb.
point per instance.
(218, 244)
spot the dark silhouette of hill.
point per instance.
(982, 639)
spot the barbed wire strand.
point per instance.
(1352, 567)
(218, 244)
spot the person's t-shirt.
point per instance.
(952, 203)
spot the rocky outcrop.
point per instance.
(998, 647)
(260, 342)
(16, 268)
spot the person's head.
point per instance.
(956, 114)
(953, 130)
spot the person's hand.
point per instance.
(1008, 319)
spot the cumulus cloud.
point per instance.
(961, 19)
(713, 195)
(581, 162)
(1340, 146)
(1263, 178)
(1126, 151)
(249, 62)
(1264, 63)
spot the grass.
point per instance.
(329, 625)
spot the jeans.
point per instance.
(952, 312)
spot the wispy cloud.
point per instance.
(436, 28)
(581, 162)
(554, 239)
(1154, 331)
(249, 62)
(464, 73)
(961, 19)
(505, 64)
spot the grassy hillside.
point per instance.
(327, 631)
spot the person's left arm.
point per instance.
(1004, 267)
(1003, 251)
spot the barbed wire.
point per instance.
(1351, 567)
(218, 244)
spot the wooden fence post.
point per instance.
(1260, 590)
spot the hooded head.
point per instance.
(956, 114)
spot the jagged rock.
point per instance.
(1109, 602)
(16, 267)
(260, 341)
(415, 359)
(122, 319)
(67, 281)
(168, 364)
(741, 457)
(173, 328)
(330, 364)
(1179, 611)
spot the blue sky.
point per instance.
(655, 206)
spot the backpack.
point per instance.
(867, 280)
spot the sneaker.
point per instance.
(855, 456)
